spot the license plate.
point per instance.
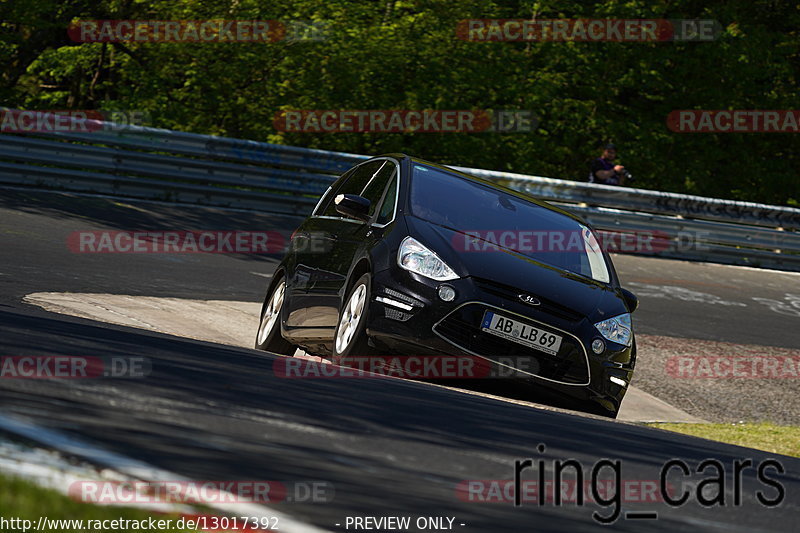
(521, 333)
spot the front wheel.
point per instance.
(269, 329)
(351, 333)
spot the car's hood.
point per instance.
(590, 298)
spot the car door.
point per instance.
(344, 241)
(305, 248)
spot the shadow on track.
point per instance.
(388, 447)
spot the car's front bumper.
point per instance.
(408, 317)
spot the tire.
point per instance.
(351, 332)
(268, 337)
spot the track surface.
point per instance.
(388, 447)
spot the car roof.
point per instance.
(489, 183)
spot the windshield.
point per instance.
(489, 219)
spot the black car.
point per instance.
(403, 256)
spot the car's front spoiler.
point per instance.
(398, 329)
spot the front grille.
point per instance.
(462, 328)
(511, 293)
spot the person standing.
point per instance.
(603, 169)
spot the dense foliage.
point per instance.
(405, 55)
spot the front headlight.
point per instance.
(416, 258)
(617, 329)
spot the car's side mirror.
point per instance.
(630, 299)
(353, 206)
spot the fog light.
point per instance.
(618, 381)
(447, 293)
(598, 346)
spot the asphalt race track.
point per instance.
(382, 447)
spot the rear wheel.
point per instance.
(351, 333)
(269, 329)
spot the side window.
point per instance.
(374, 189)
(387, 208)
(352, 184)
(332, 192)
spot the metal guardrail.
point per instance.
(184, 167)
(647, 201)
